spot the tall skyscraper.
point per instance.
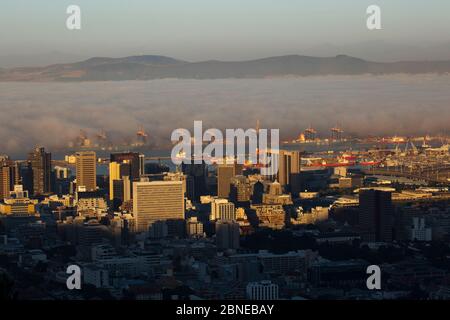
(258, 191)
(40, 165)
(134, 161)
(195, 180)
(225, 172)
(86, 166)
(9, 177)
(157, 201)
(121, 174)
(289, 163)
(122, 191)
(376, 214)
(114, 174)
(141, 164)
(227, 235)
(5, 182)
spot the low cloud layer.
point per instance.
(52, 114)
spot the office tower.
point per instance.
(296, 184)
(141, 164)
(227, 235)
(117, 174)
(40, 166)
(117, 189)
(86, 166)
(289, 163)
(122, 191)
(134, 161)
(263, 290)
(114, 174)
(5, 182)
(196, 180)
(221, 209)
(9, 177)
(190, 187)
(376, 214)
(126, 188)
(225, 172)
(258, 191)
(157, 200)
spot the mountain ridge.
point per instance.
(149, 67)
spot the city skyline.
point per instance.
(244, 155)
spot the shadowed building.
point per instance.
(225, 172)
(376, 215)
(40, 169)
(289, 163)
(196, 177)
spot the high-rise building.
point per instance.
(289, 163)
(122, 191)
(114, 174)
(86, 167)
(126, 188)
(225, 172)
(40, 165)
(141, 164)
(376, 214)
(157, 201)
(227, 235)
(196, 177)
(5, 182)
(223, 210)
(258, 192)
(9, 177)
(134, 161)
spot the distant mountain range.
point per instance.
(147, 67)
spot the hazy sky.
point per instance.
(226, 29)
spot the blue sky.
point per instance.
(217, 29)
